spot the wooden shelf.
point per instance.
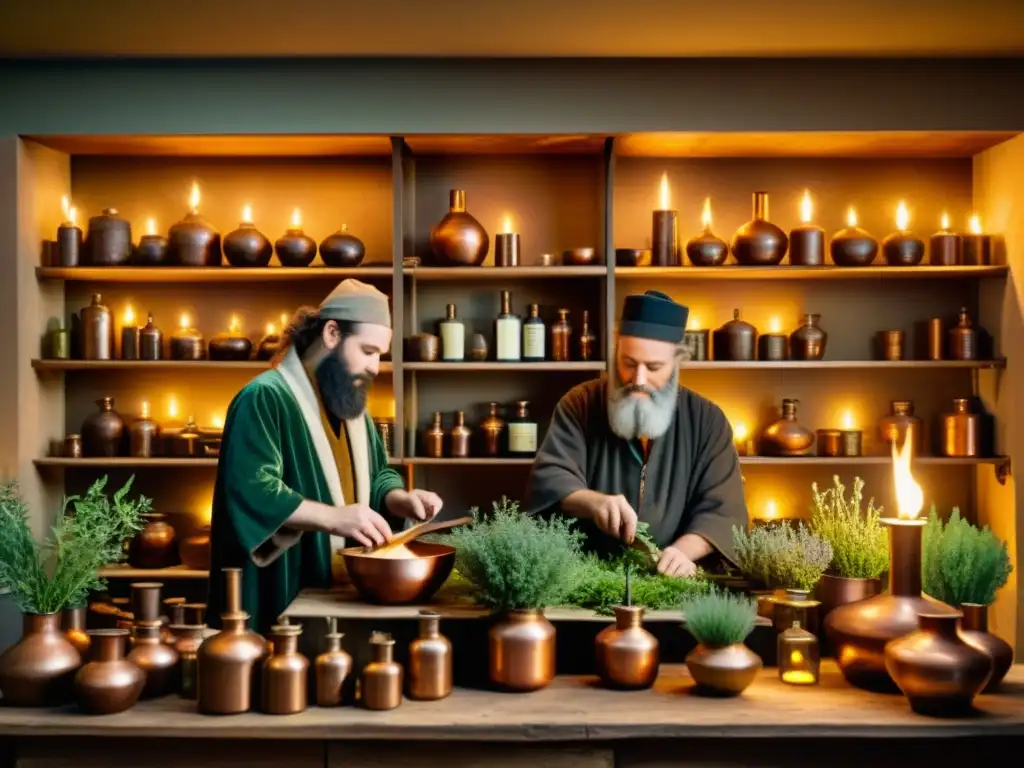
(416, 461)
(125, 571)
(711, 365)
(503, 273)
(783, 272)
(206, 274)
(161, 365)
(133, 463)
(568, 367)
(752, 460)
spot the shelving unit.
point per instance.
(124, 571)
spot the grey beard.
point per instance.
(634, 417)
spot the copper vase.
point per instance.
(430, 661)
(521, 651)
(808, 341)
(39, 670)
(492, 429)
(382, 677)
(725, 671)
(458, 240)
(894, 427)
(72, 621)
(759, 242)
(736, 340)
(626, 653)
(109, 683)
(834, 591)
(937, 670)
(155, 546)
(285, 673)
(333, 671)
(787, 437)
(103, 431)
(974, 630)
(959, 432)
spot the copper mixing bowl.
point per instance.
(400, 580)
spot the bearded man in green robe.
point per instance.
(302, 468)
(636, 447)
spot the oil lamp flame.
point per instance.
(183, 321)
(235, 325)
(129, 315)
(705, 216)
(271, 329)
(73, 215)
(507, 225)
(975, 225)
(693, 324)
(144, 409)
(774, 325)
(771, 509)
(218, 422)
(296, 219)
(247, 214)
(740, 432)
(150, 226)
(851, 217)
(65, 205)
(945, 220)
(172, 407)
(847, 420)
(909, 496)
(664, 196)
(194, 198)
(902, 217)
(806, 208)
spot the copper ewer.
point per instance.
(974, 630)
(397, 581)
(430, 661)
(626, 653)
(333, 671)
(39, 670)
(521, 651)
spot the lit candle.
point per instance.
(231, 345)
(945, 246)
(130, 336)
(695, 340)
(144, 435)
(851, 438)
(506, 246)
(295, 248)
(193, 242)
(69, 236)
(172, 408)
(269, 344)
(853, 246)
(187, 342)
(152, 248)
(706, 249)
(807, 242)
(977, 247)
(774, 345)
(246, 246)
(665, 231)
(769, 514)
(741, 438)
(902, 248)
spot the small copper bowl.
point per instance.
(399, 581)
(579, 257)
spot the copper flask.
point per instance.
(521, 651)
(285, 673)
(430, 661)
(626, 653)
(333, 671)
(382, 677)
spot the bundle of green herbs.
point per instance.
(719, 619)
(860, 545)
(962, 563)
(59, 573)
(782, 556)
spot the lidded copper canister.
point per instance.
(959, 432)
(333, 671)
(150, 653)
(285, 672)
(430, 661)
(735, 340)
(963, 339)
(382, 677)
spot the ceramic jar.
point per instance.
(893, 427)
(109, 683)
(759, 242)
(342, 249)
(109, 240)
(103, 431)
(458, 240)
(787, 437)
(155, 545)
(808, 341)
(725, 671)
(39, 670)
(521, 651)
(736, 340)
(626, 653)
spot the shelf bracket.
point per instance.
(1002, 470)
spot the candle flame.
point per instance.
(806, 208)
(65, 205)
(172, 407)
(902, 217)
(144, 409)
(150, 226)
(665, 197)
(129, 315)
(235, 326)
(851, 217)
(218, 422)
(194, 197)
(271, 329)
(975, 225)
(694, 323)
(847, 420)
(507, 225)
(705, 216)
(909, 496)
(774, 325)
(296, 219)
(183, 321)
(771, 510)
(247, 214)
(740, 432)
(795, 657)
(945, 220)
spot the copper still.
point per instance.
(247, 247)
(959, 432)
(521, 651)
(39, 670)
(382, 677)
(735, 340)
(103, 432)
(974, 630)
(433, 438)
(97, 331)
(109, 240)
(561, 337)
(787, 437)
(229, 660)
(285, 673)
(937, 670)
(963, 339)
(808, 341)
(150, 654)
(109, 683)
(333, 671)
(342, 249)
(72, 621)
(155, 545)
(859, 631)
(459, 437)
(759, 242)
(725, 671)
(458, 240)
(430, 661)
(187, 640)
(493, 429)
(627, 654)
(193, 242)
(894, 427)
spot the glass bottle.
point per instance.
(460, 435)
(561, 334)
(522, 432)
(508, 332)
(453, 337)
(798, 656)
(587, 340)
(492, 429)
(433, 438)
(533, 336)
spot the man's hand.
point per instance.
(414, 505)
(359, 522)
(612, 514)
(675, 563)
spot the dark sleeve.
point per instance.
(716, 503)
(560, 465)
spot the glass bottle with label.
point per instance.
(587, 339)
(522, 432)
(533, 336)
(561, 334)
(508, 332)
(453, 337)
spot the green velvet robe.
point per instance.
(274, 455)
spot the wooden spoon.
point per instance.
(430, 526)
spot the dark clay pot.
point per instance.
(109, 241)
(295, 249)
(193, 242)
(342, 249)
(247, 247)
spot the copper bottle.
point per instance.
(103, 431)
(521, 651)
(808, 341)
(188, 638)
(458, 240)
(144, 438)
(97, 331)
(974, 630)
(587, 341)
(759, 242)
(72, 621)
(109, 683)
(959, 431)
(39, 670)
(155, 546)
(787, 437)
(937, 670)
(626, 653)
(229, 659)
(430, 661)
(382, 677)
(433, 438)
(285, 673)
(735, 340)
(893, 427)
(493, 430)
(561, 337)
(333, 671)
(460, 435)
(154, 657)
(963, 339)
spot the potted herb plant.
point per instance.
(45, 578)
(965, 566)
(860, 545)
(721, 664)
(518, 566)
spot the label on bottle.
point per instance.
(533, 341)
(453, 340)
(507, 331)
(522, 437)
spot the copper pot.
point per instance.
(188, 638)
(626, 653)
(229, 659)
(579, 257)
(458, 240)
(521, 651)
(853, 247)
(72, 621)
(109, 240)
(735, 340)
(247, 247)
(974, 630)
(808, 341)
(492, 429)
(959, 432)
(893, 427)
(633, 257)
(154, 657)
(834, 591)
(399, 581)
(430, 661)
(759, 242)
(155, 545)
(109, 683)
(333, 671)
(726, 671)
(39, 670)
(859, 631)
(195, 550)
(937, 670)
(193, 242)
(342, 249)
(787, 437)
(382, 677)
(103, 431)
(285, 673)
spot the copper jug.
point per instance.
(894, 427)
(963, 339)
(433, 438)
(959, 431)
(735, 340)
(626, 653)
(787, 437)
(39, 669)
(460, 435)
(759, 242)
(72, 621)
(808, 341)
(155, 546)
(458, 240)
(521, 651)
(333, 671)
(109, 683)
(382, 677)
(430, 661)
(285, 672)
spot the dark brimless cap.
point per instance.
(653, 315)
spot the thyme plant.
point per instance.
(782, 556)
(860, 545)
(719, 619)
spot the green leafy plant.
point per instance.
(962, 563)
(860, 545)
(718, 619)
(601, 585)
(60, 572)
(782, 556)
